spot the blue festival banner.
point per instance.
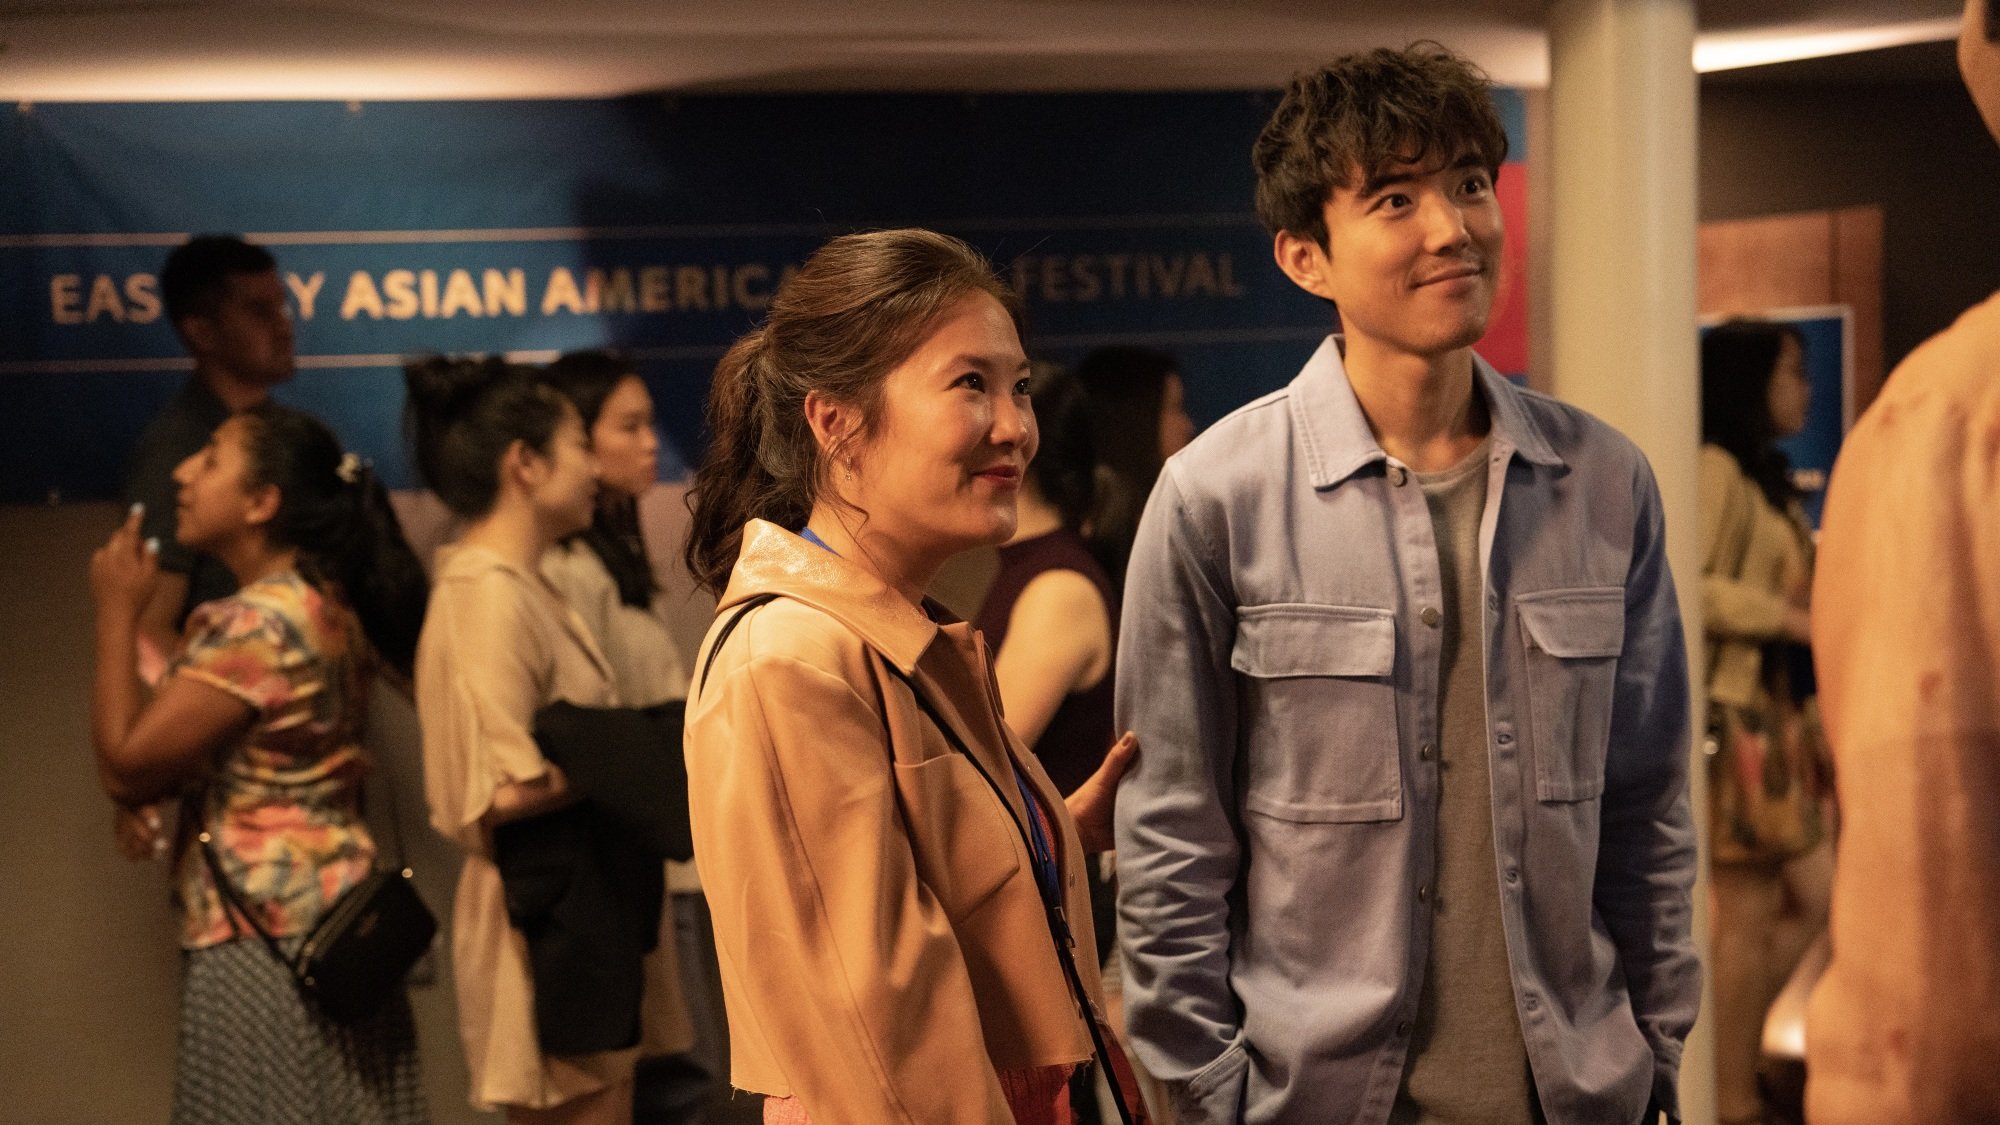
(653, 224)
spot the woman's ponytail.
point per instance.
(334, 511)
(384, 582)
(734, 483)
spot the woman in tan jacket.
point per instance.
(1772, 869)
(897, 887)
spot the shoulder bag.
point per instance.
(357, 954)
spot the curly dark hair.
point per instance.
(334, 510)
(1361, 113)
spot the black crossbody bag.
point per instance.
(357, 954)
(1052, 907)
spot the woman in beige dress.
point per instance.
(509, 456)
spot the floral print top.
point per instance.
(282, 804)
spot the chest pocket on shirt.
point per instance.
(1319, 712)
(1573, 640)
(963, 841)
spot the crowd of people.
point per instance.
(1377, 691)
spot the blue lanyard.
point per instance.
(810, 536)
(1047, 877)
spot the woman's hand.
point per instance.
(1092, 804)
(124, 571)
(139, 831)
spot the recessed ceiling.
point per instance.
(59, 50)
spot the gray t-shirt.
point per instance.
(1468, 1064)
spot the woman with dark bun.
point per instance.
(257, 725)
(509, 455)
(896, 882)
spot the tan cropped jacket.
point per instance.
(883, 945)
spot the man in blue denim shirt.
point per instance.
(1409, 840)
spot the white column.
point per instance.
(1622, 295)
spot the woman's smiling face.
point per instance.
(943, 469)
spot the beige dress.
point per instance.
(498, 644)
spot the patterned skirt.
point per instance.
(252, 1052)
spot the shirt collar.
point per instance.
(463, 560)
(1333, 433)
(775, 561)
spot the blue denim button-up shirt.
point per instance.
(1279, 664)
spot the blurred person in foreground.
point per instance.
(1904, 1028)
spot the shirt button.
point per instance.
(1530, 1002)
(1492, 600)
(1403, 1028)
(1397, 475)
(1505, 737)
(1423, 892)
(1513, 875)
(1426, 752)
(1430, 616)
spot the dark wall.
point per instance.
(1918, 149)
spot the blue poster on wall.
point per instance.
(657, 225)
(1828, 332)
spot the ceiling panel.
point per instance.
(374, 49)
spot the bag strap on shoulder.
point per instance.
(233, 904)
(722, 635)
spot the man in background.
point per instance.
(1904, 1028)
(226, 302)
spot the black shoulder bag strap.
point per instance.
(728, 627)
(1052, 907)
(233, 903)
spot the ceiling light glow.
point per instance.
(1733, 50)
